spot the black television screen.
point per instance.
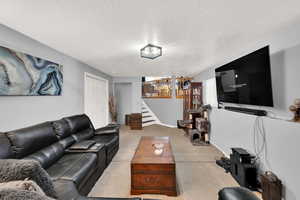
(246, 80)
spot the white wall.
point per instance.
(20, 111)
(230, 129)
(136, 92)
(168, 111)
(123, 100)
(281, 155)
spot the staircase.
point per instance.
(148, 117)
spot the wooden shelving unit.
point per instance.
(179, 85)
(192, 98)
(161, 88)
(158, 97)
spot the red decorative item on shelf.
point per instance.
(296, 110)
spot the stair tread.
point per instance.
(145, 111)
(147, 116)
(144, 122)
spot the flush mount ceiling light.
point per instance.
(151, 51)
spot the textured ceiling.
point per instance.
(108, 34)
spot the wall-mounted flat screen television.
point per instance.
(246, 80)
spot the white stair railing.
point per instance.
(148, 117)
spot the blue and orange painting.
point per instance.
(26, 75)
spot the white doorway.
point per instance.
(123, 93)
(96, 99)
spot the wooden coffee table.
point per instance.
(151, 173)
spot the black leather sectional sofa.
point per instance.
(236, 193)
(71, 150)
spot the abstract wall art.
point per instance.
(26, 75)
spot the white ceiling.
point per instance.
(108, 34)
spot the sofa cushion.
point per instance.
(61, 128)
(28, 140)
(66, 142)
(88, 120)
(78, 123)
(48, 155)
(66, 189)
(5, 150)
(84, 135)
(75, 167)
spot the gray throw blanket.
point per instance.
(13, 170)
(11, 194)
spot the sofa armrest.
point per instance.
(93, 149)
(236, 193)
(107, 131)
(82, 145)
(114, 125)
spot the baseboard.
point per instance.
(220, 149)
(167, 125)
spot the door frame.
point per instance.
(86, 75)
(130, 95)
